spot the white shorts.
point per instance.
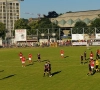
(23, 61)
(62, 54)
(30, 59)
(92, 67)
(20, 57)
(91, 57)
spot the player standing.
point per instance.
(39, 57)
(62, 53)
(92, 65)
(23, 59)
(91, 55)
(97, 65)
(20, 55)
(85, 55)
(81, 59)
(46, 68)
(30, 58)
(49, 69)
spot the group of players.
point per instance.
(23, 58)
(93, 64)
(47, 66)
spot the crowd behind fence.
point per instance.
(50, 44)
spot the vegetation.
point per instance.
(2, 30)
(68, 73)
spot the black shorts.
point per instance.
(45, 70)
(96, 66)
(90, 69)
(38, 57)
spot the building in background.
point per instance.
(68, 20)
(9, 13)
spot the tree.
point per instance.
(2, 30)
(21, 24)
(80, 24)
(33, 26)
(78, 27)
(52, 14)
(95, 23)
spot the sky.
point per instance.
(31, 8)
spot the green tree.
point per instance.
(80, 24)
(95, 23)
(2, 30)
(32, 27)
(78, 27)
(21, 24)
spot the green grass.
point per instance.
(71, 74)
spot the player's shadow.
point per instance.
(2, 71)
(88, 59)
(29, 64)
(66, 56)
(44, 60)
(8, 77)
(54, 73)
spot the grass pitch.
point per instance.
(68, 73)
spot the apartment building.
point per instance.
(9, 13)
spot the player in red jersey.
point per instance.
(91, 55)
(62, 53)
(30, 58)
(92, 65)
(23, 59)
(20, 55)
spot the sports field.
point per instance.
(68, 73)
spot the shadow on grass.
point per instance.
(2, 71)
(44, 60)
(40, 61)
(57, 72)
(8, 77)
(66, 56)
(29, 64)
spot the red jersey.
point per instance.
(92, 63)
(23, 59)
(30, 55)
(20, 54)
(62, 52)
(91, 54)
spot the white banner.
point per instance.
(98, 36)
(77, 36)
(96, 43)
(20, 34)
(79, 43)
